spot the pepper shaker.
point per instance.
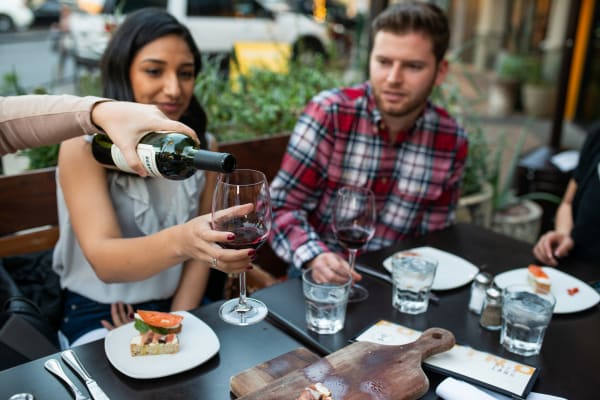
(491, 315)
(480, 284)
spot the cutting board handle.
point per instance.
(434, 341)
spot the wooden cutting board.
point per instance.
(261, 375)
(361, 370)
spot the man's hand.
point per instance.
(330, 267)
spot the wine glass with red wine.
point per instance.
(240, 187)
(354, 225)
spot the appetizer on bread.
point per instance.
(537, 278)
(158, 333)
(316, 391)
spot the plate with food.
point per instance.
(452, 271)
(572, 295)
(159, 344)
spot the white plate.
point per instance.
(452, 271)
(197, 343)
(586, 297)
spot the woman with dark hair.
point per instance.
(141, 28)
(126, 242)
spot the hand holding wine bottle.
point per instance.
(127, 122)
(165, 154)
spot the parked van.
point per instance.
(215, 25)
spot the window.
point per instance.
(210, 8)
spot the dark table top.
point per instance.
(241, 348)
(569, 361)
(570, 356)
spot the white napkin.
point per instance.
(453, 389)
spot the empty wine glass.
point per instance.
(354, 225)
(243, 186)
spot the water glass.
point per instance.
(412, 280)
(525, 317)
(325, 302)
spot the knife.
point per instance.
(54, 367)
(71, 359)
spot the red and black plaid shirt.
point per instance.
(339, 140)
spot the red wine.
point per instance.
(353, 237)
(245, 237)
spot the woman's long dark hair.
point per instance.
(140, 28)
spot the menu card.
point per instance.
(478, 367)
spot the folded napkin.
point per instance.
(453, 389)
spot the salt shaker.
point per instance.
(480, 284)
(491, 315)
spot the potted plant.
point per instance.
(504, 88)
(475, 202)
(538, 92)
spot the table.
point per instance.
(570, 356)
(241, 348)
(569, 361)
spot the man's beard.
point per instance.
(407, 108)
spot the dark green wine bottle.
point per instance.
(165, 154)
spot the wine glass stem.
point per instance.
(352, 258)
(242, 299)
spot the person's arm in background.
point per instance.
(558, 242)
(38, 120)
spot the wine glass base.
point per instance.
(235, 313)
(357, 293)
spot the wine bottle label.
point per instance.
(145, 152)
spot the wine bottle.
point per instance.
(165, 154)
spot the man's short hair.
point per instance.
(416, 16)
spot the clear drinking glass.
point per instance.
(413, 277)
(526, 315)
(354, 225)
(243, 186)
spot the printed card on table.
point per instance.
(478, 367)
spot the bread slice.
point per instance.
(152, 343)
(316, 391)
(538, 279)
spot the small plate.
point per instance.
(197, 344)
(452, 271)
(585, 298)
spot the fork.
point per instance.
(54, 367)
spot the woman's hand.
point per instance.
(121, 314)
(552, 245)
(201, 242)
(126, 123)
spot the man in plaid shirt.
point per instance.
(384, 135)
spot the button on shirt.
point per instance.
(340, 139)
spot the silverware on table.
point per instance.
(71, 359)
(385, 277)
(54, 367)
